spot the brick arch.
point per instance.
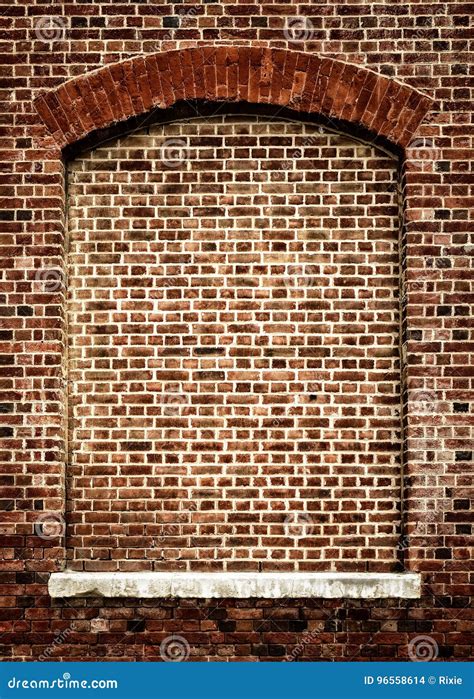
(301, 81)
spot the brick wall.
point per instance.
(233, 359)
(425, 47)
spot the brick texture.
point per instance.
(233, 358)
(396, 76)
(302, 81)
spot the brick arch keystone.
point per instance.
(301, 81)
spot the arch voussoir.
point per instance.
(301, 81)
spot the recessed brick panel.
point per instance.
(233, 350)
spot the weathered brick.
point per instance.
(231, 206)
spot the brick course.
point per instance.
(420, 47)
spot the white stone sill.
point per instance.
(237, 585)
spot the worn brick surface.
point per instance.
(233, 359)
(422, 47)
(298, 80)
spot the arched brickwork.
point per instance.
(302, 81)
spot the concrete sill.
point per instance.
(237, 585)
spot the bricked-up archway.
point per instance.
(302, 81)
(342, 93)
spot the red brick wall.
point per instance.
(425, 47)
(233, 350)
